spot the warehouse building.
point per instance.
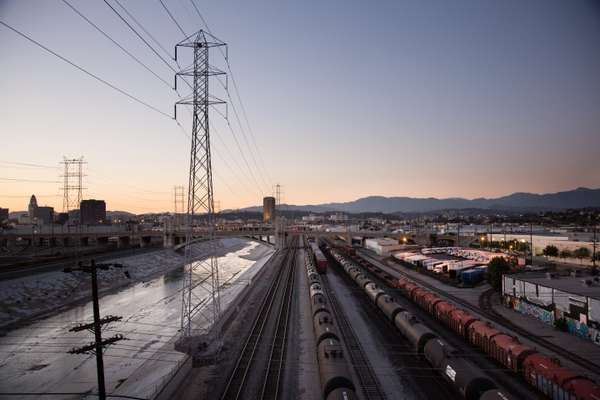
(573, 300)
(383, 246)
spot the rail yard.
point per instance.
(333, 321)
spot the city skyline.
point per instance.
(427, 100)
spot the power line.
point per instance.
(27, 180)
(144, 29)
(173, 18)
(138, 35)
(116, 43)
(123, 92)
(235, 86)
(226, 119)
(30, 165)
(240, 149)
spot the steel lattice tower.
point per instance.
(72, 182)
(200, 294)
(179, 203)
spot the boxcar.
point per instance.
(320, 260)
(460, 320)
(429, 302)
(510, 352)
(480, 335)
(443, 310)
(555, 381)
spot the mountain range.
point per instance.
(578, 198)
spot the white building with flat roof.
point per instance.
(383, 246)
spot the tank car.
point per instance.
(495, 394)
(313, 277)
(435, 352)
(324, 327)
(318, 303)
(388, 305)
(466, 378)
(362, 280)
(342, 394)
(314, 289)
(355, 273)
(333, 367)
(412, 328)
(373, 291)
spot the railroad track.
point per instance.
(485, 308)
(368, 380)
(272, 381)
(239, 380)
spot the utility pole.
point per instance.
(97, 346)
(458, 231)
(594, 248)
(200, 293)
(531, 241)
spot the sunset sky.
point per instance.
(345, 99)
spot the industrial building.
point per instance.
(383, 246)
(93, 212)
(550, 297)
(268, 209)
(3, 214)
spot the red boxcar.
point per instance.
(443, 310)
(557, 382)
(510, 352)
(320, 260)
(481, 333)
(498, 346)
(409, 287)
(460, 320)
(429, 302)
(417, 294)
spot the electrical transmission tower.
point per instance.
(72, 183)
(179, 203)
(278, 195)
(200, 294)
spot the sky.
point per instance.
(344, 99)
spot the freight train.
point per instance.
(467, 379)
(334, 370)
(540, 371)
(319, 258)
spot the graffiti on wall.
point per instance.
(582, 330)
(575, 327)
(532, 311)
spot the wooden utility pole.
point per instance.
(95, 327)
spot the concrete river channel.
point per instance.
(34, 358)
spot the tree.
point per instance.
(551, 251)
(565, 254)
(581, 253)
(497, 267)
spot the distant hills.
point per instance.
(578, 198)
